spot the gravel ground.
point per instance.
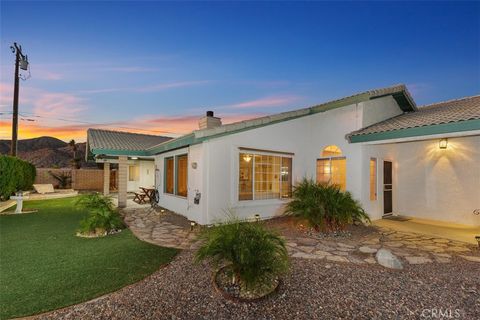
(314, 289)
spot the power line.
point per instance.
(86, 122)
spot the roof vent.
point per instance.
(209, 121)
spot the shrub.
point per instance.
(15, 175)
(256, 255)
(325, 206)
(64, 179)
(101, 213)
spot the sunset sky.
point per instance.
(155, 67)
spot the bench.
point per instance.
(44, 188)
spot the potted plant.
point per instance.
(252, 259)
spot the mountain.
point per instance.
(47, 152)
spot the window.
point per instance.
(264, 177)
(133, 173)
(373, 179)
(181, 180)
(169, 175)
(332, 167)
(176, 175)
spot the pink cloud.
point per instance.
(57, 104)
(170, 85)
(272, 101)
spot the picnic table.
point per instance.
(146, 195)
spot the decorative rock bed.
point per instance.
(222, 281)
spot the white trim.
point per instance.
(422, 138)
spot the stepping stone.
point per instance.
(322, 253)
(370, 260)
(442, 260)
(304, 255)
(340, 253)
(418, 260)
(291, 244)
(366, 249)
(345, 249)
(388, 260)
(393, 244)
(443, 255)
(457, 249)
(337, 258)
(306, 242)
(324, 247)
(471, 258)
(344, 245)
(305, 249)
(441, 240)
(356, 260)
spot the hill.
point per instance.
(47, 152)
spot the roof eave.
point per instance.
(459, 126)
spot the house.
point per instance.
(394, 157)
(104, 146)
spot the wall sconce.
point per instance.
(443, 143)
(247, 158)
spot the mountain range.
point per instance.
(47, 152)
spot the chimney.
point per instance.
(209, 121)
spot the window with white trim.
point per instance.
(264, 176)
(332, 167)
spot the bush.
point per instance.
(15, 175)
(325, 206)
(256, 255)
(102, 213)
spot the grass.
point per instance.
(44, 266)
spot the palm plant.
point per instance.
(64, 179)
(75, 161)
(325, 206)
(256, 256)
(102, 213)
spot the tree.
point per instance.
(75, 160)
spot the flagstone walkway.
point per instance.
(160, 227)
(167, 229)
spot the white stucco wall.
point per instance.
(429, 182)
(146, 177)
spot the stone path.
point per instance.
(411, 248)
(167, 229)
(160, 227)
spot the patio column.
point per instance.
(122, 181)
(106, 178)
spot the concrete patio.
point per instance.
(452, 231)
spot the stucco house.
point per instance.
(395, 158)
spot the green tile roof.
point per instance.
(110, 142)
(398, 92)
(448, 116)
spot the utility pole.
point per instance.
(21, 62)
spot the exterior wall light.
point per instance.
(134, 158)
(443, 143)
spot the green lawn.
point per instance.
(44, 266)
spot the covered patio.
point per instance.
(127, 151)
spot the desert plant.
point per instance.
(102, 213)
(64, 179)
(15, 175)
(257, 256)
(325, 206)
